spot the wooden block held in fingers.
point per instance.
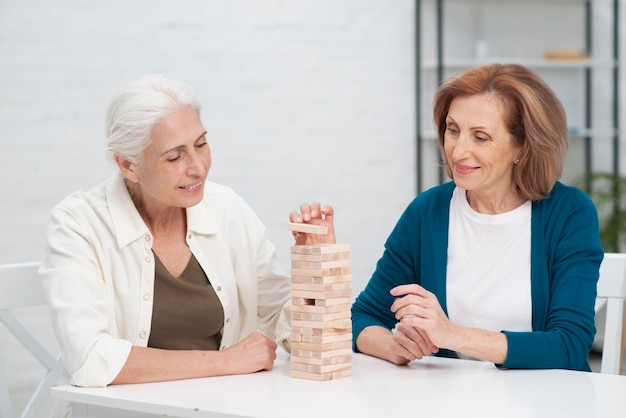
(308, 228)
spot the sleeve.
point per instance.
(396, 266)
(571, 263)
(272, 289)
(274, 296)
(77, 295)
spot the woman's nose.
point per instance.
(196, 164)
(460, 147)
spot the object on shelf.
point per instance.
(565, 54)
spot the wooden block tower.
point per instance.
(321, 326)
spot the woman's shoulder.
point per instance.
(95, 196)
(563, 194)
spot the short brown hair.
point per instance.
(533, 114)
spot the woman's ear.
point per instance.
(127, 168)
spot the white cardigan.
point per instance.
(98, 275)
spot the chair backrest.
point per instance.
(20, 287)
(612, 289)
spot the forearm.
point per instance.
(375, 341)
(252, 354)
(479, 343)
(154, 365)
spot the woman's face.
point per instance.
(176, 163)
(478, 146)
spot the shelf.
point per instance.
(538, 63)
(455, 35)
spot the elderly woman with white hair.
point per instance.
(158, 274)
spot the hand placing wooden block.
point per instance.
(308, 228)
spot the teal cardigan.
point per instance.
(565, 260)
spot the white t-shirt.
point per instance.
(488, 272)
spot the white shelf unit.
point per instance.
(455, 35)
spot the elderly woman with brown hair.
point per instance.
(501, 263)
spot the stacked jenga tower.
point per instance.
(321, 327)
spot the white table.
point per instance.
(432, 387)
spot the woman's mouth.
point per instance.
(192, 187)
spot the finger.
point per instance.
(406, 301)
(400, 354)
(305, 210)
(410, 312)
(418, 334)
(316, 211)
(409, 289)
(328, 213)
(418, 342)
(408, 348)
(295, 216)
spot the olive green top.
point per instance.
(186, 314)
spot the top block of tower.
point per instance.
(308, 228)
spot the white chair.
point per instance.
(611, 294)
(20, 287)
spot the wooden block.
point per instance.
(298, 306)
(311, 316)
(320, 369)
(320, 265)
(308, 228)
(320, 248)
(333, 271)
(337, 345)
(321, 257)
(340, 324)
(328, 332)
(307, 294)
(345, 359)
(330, 287)
(321, 376)
(296, 278)
(304, 352)
(311, 376)
(302, 331)
(331, 302)
(324, 339)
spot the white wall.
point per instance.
(303, 100)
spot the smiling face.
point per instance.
(479, 148)
(175, 165)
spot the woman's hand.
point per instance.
(314, 214)
(408, 344)
(254, 353)
(423, 327)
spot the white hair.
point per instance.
(135, 110)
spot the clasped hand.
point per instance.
(423, 326)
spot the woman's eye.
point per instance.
(173, 159)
